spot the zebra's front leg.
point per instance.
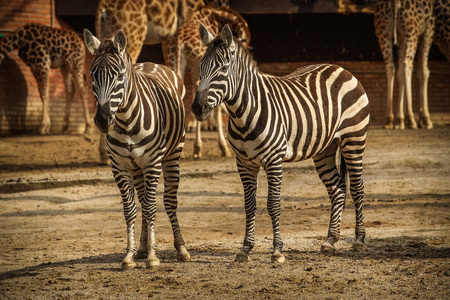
(149, 212)
(171, 182)
(129, 209)
(274, 178)
(249, 178)
(142, 251)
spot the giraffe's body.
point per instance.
(145, 21)
(185, 49)
(442, 27)
(413, 22)
(43, 48)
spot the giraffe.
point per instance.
(414, 23)
(185, 49)
(43, 48)
(442, 28)
(144, 22)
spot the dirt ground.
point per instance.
(63, 233)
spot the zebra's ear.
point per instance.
(120, 40)
(92, 43)
(205, 36)
(227, 37)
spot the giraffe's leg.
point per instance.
(102, 149)
(222, 141)
(70, 91)
(423, 73)
(125, 183)
(390, 71)
(274, 178)
(41, 74)
(400, 117)
(80, 84)
(151, 175)
(171, 170)
(325, 164)
(408, 37)
(385, 29)
(198, 125)
(198, 140)
(410, 122)
(249, 178)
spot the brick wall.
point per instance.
(20, 104)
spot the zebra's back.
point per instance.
(314, 104)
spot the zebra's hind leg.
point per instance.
(171, 182)
(352, 153)
(249, 178)
(325, 164)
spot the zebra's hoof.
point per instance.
(327, 248)
(242, 257)
(152, 264)
(277, 257)
(183, 255)
(359, 246)
(128, 265)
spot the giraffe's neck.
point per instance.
(228, 16)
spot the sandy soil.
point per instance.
(63, 233)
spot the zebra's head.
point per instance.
(108, 73)
(216, 75)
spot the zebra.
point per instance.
(140, 109)
(319, 111)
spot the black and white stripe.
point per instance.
(319, 112)
(141, 111)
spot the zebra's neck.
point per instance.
(129, 115)
(247, 98)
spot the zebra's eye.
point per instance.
(120, 77)
(224, 68)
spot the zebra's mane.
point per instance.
(241, 50)
(106, 51)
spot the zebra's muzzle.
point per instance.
(102, 120)
(200, 107)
